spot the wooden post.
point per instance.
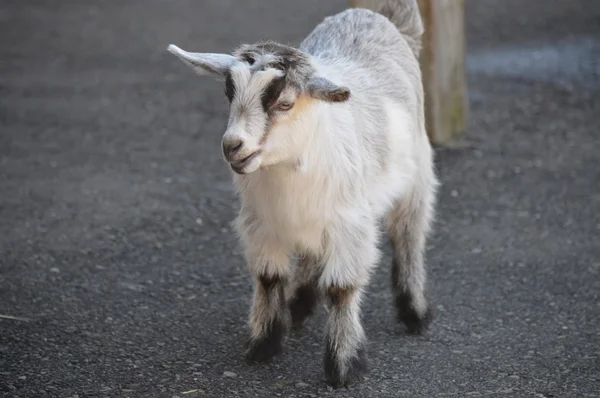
(443, 67)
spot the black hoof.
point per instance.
(345, 376)
(267, 347)
(415, 323)
(302, 305)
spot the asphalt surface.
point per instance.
(117, 256)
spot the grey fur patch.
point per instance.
(407, 18)
(269, 54)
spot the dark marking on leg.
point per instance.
(267, 347)
(415, 323)
(355, 368)
(305, 294)
(339, 295)
(269, 282)
(404, 300)
(303, 304)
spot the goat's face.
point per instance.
(270, 89)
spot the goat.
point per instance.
(326, 140)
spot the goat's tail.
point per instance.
(405, 15)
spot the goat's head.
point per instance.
(270, 87)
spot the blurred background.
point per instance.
(120, 275)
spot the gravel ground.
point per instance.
(117, 256)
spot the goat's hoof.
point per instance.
(345, 375)
(265, 348)
(415, 323)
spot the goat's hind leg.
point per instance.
(408, 225)
(304, 292)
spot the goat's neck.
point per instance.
(320, 148)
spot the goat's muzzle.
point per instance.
(239, 165)
(231, 148)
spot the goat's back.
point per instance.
(362, 38)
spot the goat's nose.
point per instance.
(231, 147)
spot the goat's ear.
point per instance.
(216, 65)
(324, 89)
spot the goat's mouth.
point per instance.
(239, 165)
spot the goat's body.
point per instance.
(356, 162)
(365, 154)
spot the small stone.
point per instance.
(454, 193)
(301, 385)
(22, 377)
(229, 374)
(199, 221)
(55, 270)
(514, 377)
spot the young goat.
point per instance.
(326, 140)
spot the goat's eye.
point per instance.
(285, 106)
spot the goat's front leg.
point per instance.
(352, 253)
(268, 318)
(269, 315)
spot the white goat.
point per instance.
(326, 140)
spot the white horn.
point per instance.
(204, 63)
